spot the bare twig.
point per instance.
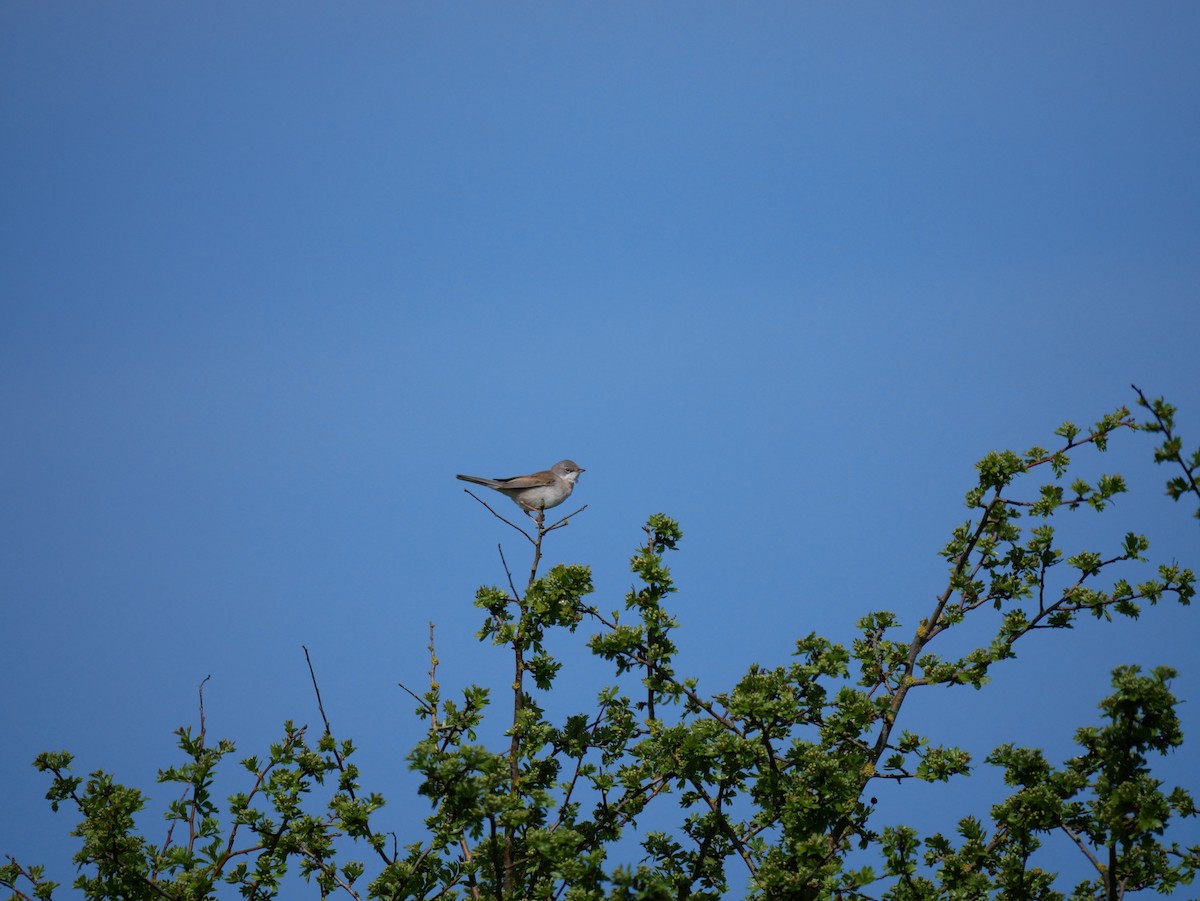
(416, 697)
(508, 573)
(564, 521)
(320, 706)
(528, 537)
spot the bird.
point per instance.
(537, 491)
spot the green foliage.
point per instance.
(1171, 449)
(769, 782)
(1105, 799)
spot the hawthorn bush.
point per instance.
(768, 783)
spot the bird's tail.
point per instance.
(490, 483)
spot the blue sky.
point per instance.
(272, 274)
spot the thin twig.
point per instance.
(431, 709)
(201, 692)
(416, 697)
(337, 756)
(433, 685)
(537, 548)
(317, 689)
(563, 522)
(528, 537)
(508, 573)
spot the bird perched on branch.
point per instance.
(538, 491)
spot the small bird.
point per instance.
(539, 491)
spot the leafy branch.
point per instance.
(1171, 449)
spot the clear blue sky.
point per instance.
(271, 274)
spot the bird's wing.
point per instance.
(537, 480)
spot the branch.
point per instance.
(317, 689)
(925, 633)
(507, 572)
(714, 805)
(196, 788)
(341, 764)
(528, 537)
(433, 686)
(537, 550)
(430, 708)
(564, 521)
(1078, 840)
(259, 779)
(1164, 422)
(16, 870)
(331, 870)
